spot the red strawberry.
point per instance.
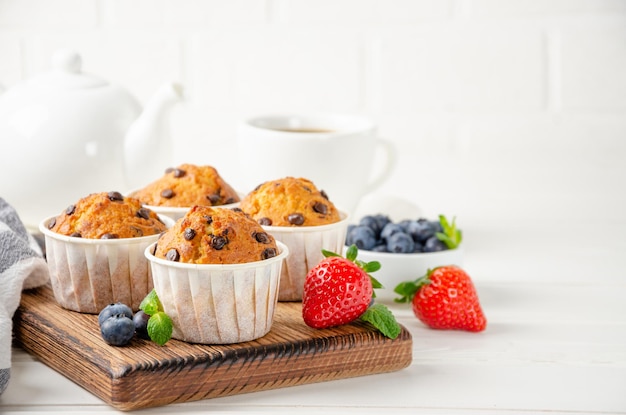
(339, 290)
(336, 292)
(445, 298)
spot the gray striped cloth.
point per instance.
(22, 266)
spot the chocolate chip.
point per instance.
(76, 235)
(218, 242)
(236, 209)
(268, 253)
(308, 189)
(172, 255)
(189, 234)
(115, 197)
(110, 236)
(324, 195)
(179, 173)
(209, 219)
(229, 200)
(52, 222)
(167, 193)
(319, 207)
(137, 231)
(265, 221)
(70, 209)
(261, 237)
(296, 219)
(143, 213)
(214, 199)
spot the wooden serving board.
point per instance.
(144, 374)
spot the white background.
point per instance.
(503, 110)
(509, 115)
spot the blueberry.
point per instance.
(419, 248)
(390, 229)
(420, 230)
(382, 220)
(112, 309)
(405, 224)
(371, 222)
(433, 244)
(140, 319)
(400, 243)
(436, 226)
(380, 248)
(117, 330)
(363, 237)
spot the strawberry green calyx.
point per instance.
(451, 236)
(378, 315)
(407, 289)
(368, 267)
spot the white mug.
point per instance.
(336, 152)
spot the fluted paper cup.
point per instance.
(305, 245)
(218, 303)
(176, 213)
(87, 274)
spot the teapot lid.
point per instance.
(66, 73)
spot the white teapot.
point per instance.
(65, 134)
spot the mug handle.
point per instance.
(390, 163)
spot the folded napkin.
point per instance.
(22, 266)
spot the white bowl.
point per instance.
(87, 274)
(305, 245)
(397, 268)
(218, 303)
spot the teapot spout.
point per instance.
(147, 145)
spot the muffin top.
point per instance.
(188, 185)
(289, 201)
(107, 215)
(208, 235)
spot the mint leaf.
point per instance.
(160, 328)
(451, 236)
(383, 319)
(151, 303)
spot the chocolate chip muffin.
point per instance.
(289, 201)
(188, 185)
(107, 215)
(207, 235)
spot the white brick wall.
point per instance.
(502, 109)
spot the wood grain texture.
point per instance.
(144, 374)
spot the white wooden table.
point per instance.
(555, 344)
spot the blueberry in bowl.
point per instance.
(406, 249)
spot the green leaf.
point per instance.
(375, 282)
(160, 328)
(329, 253)
(451, 236)
(372, 266)
(352, 252)
(383, 319)
(151, 303)
(408, 289)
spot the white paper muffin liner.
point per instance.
(218, 303)
(305, 245)
(178, 212)
(87, 274)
